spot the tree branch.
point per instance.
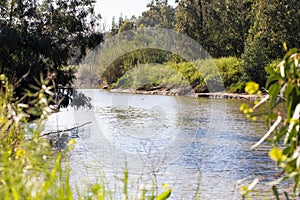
(60, 131)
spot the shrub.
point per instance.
(196, 74)
(229, 68)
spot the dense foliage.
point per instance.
(159, 14)
(184, 74)
(251, 30)
(28, 169)
(273, 23)
(42, 37)
(48, 37)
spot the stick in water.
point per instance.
(69, 129)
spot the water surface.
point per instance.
(201, 147)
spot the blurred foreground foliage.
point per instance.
(283, 85)
(29, 167)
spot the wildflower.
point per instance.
(251, 87)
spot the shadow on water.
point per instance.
(80, 100)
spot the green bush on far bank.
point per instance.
(229, 68)
(183, 74)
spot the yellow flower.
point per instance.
(2, 77)
(285, 46)
(251, 87)
(276, 154)
(20, 153)
(243, 106)
(41, 95)
(2, 120)
(71, 142)
(282, 165)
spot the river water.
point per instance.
(200, 147)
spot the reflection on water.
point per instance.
(199, 146)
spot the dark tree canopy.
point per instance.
(219, 26)
(41, 37)
(273, 24)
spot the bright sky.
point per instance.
(110, 8)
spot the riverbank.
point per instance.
(188, 92)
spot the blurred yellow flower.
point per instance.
(20, 153)
(251, 87)
(41, 95)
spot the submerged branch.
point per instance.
(65, 130)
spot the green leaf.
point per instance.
(273, 92)
(275, 191)
(166, 194)
(272, 79)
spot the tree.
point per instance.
(189, 19)
(282, 25)
(274, 23)
(226, 26)
(254, 60)
(41, 37)
(126, 26)
(219, 26)
(159, 14)
(114, 28)
(122, 25)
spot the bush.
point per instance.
(229, 68)
(195, 74)
(150, 75)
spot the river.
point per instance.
(200, 147)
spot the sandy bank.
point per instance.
(182, 92)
